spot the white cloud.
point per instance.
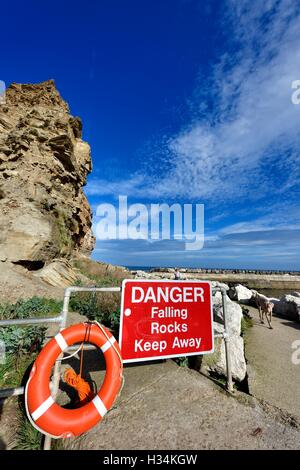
(245, 142)
(261, 249)
(102, 187)
(248, 145)
(276, 217)
(243, 149)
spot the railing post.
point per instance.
(57, 367)
(227, 343)
(62, 320)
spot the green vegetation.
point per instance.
(104, 308)
(182, 361)
(13, 370)
(101, 274)
(34, 307)
(27, 437)
(246, 323)
(62, 232)
(23, 343)
(22, 339)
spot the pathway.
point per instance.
(272, 375)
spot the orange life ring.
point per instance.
(48, 416)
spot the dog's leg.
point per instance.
(267, 318)
(270, 322)
(261, 314)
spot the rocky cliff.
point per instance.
(43, 167)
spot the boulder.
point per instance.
(234, 313)
(288, 306)
(221, 285)
(295, 294)
(240, 294)
(237, 355)
(25, 236)
(142, 275)
(216, 362)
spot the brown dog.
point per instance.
(265, 307)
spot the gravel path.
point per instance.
(272, 375)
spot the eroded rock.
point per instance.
(58, 273)
(44, 163)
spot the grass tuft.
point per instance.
(246, 324)
(27, 437)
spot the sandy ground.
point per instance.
(272, 375)
(17, 283)
(164, 406)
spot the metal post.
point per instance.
(57, 367)
(62, 320)
(11, 392)
(64, 314)
(227, 344)
(31, 321)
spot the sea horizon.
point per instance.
(149, 268)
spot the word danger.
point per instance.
(167, 294)
(145, 346)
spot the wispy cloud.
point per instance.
(247, 145)
(270, 240)
(278, 249)
(238, 152)
(102, 187)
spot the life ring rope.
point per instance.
(96, 401)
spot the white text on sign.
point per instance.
(163, 318)
(168, 294)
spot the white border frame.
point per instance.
(155, 358)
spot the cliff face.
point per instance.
(44, 163)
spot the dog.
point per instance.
(265, 307)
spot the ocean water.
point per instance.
(140, 268)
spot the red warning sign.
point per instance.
(162, 319)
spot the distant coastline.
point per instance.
(141, 268)
(212, 270)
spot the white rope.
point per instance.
(71, 355)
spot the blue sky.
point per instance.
(182, 101)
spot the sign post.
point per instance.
(162, 319)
